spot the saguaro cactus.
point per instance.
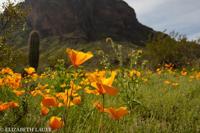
(34, 44)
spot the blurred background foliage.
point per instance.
(12, 21)
(175, 49)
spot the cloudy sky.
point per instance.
(172, 15)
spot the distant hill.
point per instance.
(87, 20)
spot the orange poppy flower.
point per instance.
(100, 76)
(56, 123)
(50, 101)
(95, 76)
(102, 84)
(19, 92)
(109, 81)
(183, 73)
(6, 106)
(77, 57)
(44, 110)
(76, 100)
(99, 106)
(1, 82)
(13, 104)
(116, 114)
(69, 98)
(104, 89)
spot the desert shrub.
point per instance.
(13, 18)
(11, 58)
(175, 49)
(5, 54)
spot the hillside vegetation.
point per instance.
(72, 99)
(62, 85)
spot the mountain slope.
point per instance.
(88, 20)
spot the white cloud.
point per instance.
(178, 15)
(143, 6)
(194, 36)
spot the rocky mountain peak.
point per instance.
(86, 20)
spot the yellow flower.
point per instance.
(102, 83)
(7, 71)
(135, 72)
(41, 87)
(175, 84)
(167, 82)
(89, 91)
(74, 87)
(77, 57)
(13, 81)
(109, 81)
(191, 77)
(34, 76)
(145, 80)
(30, 70)
(100, 77)
(19, 93)
(158, 70)
(198, 75)
(69, 98)
(56, 122)
(95, 76)
(63, 85)
(37, 92)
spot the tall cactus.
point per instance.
(34, 44)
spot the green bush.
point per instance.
(165, 49)
(9, 57)
(5, 54)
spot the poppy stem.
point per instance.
(66, 113)
(102, 117)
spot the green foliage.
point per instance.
(10, 57)
(5, 54)
(168, 108)
(177, 50)
(34, 44)
(12, 19)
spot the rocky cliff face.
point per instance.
(87, 20)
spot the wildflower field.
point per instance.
(60, 74)
(75, 100)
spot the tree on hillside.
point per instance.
(12, 17)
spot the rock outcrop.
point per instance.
(87, 20)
